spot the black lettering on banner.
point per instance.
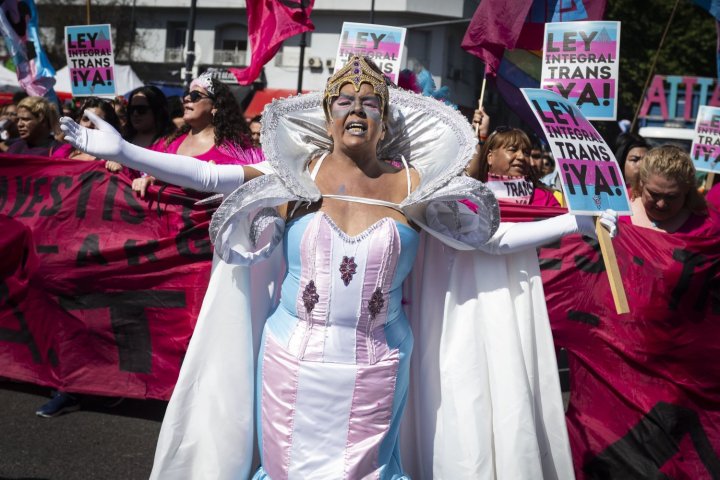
(134, 205)
(86, 183)
(690, 260)
(47, 249)
(55, 194)
(133, 250)
(588, 265)
(710, 288)
(649, 445)
(4, 192)
(89, 252)
(552, 263)
(192, 235)
(109, 199)
(584, 317)
(36, 197)
(129, 321)
(23, 191)
(21, 336)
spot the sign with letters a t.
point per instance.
(590, 175)
(90, 60)
(580, 62)
(705, 151)
(383, 44)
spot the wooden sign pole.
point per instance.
(613, 271)
(709, 180)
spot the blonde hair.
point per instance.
(674, 163)
(43, 109)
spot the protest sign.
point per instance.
(705, 151)
(90, 60)
(590, 176)
(383, 44)
(580, 62)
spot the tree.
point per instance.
(689, 47)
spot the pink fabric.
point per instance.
(63, 151)
(315, 252)
(495, 27)
(370, 415)
(696, 225)
(270, 22)
(279, 393)
(713, 200)
(226, 154)
(383, 254)
(542, 197)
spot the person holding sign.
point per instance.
(334, 362)
(665, 197)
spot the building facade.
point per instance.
(435, 30)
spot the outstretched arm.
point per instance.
(515, 237)
(106, 142)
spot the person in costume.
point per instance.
(333, 366)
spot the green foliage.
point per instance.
(689, 47)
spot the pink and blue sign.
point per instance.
(589, 173)
(90, 60)
(580, 62)
(705, 150)
(383, 44)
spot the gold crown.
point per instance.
(356, 71)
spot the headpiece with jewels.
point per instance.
(356, 71)
(204, 81)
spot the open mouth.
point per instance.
(356, 128)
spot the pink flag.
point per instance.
(500, 25)
(270, 22)
(494, 28)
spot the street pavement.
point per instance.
(97, 442)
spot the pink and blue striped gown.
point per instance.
(334, 366)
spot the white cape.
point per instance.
(485, 398)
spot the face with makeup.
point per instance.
(356, 118)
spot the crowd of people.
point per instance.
(332, 379)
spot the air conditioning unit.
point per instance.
(314, 62)
(330, 64)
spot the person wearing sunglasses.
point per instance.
(103, 109)
(214, 130)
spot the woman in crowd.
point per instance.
(103, 109)
(665, 196)
(214, 130)
(504, 164)
(148, 117)
(8, 126)
(333, 368)
(37, 121)
(631, 150)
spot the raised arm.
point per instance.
(106, 142)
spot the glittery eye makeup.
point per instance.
(370, 105)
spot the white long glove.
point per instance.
(515, 237)
(106, 142)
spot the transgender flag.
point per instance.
(270, 22)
